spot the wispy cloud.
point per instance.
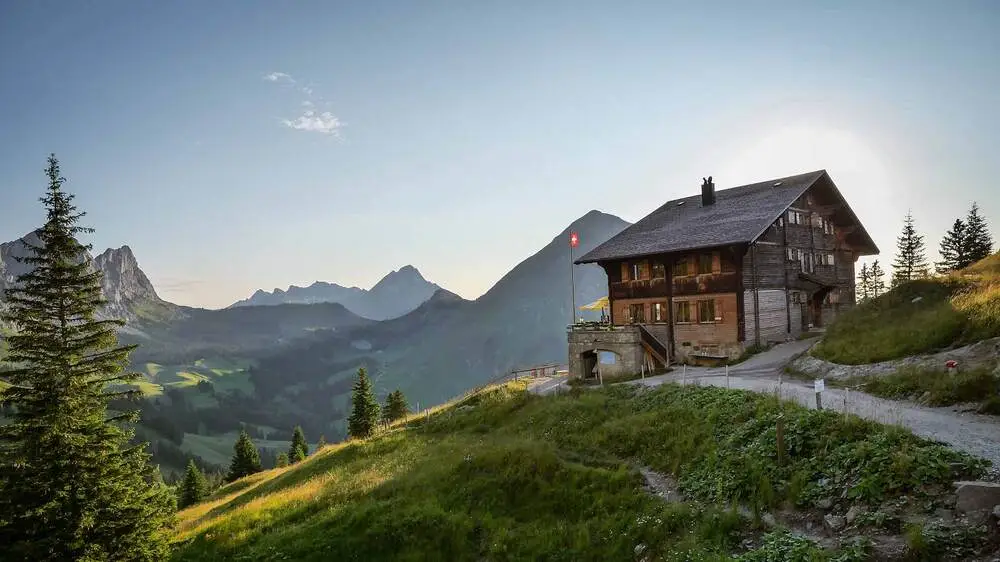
(313, 119)
(279, 77)
(325, 122)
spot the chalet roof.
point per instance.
(739, 215)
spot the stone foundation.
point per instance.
(624, 341)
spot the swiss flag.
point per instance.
(574, 240)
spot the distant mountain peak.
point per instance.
(397, 293)
(124, 285)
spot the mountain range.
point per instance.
(289, 358)
(394, 295)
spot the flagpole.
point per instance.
(572, 282)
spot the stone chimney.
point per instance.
(707, 192)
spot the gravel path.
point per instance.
(972, 433)
(975, 434)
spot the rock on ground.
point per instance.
(976, 496)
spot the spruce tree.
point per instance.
(194, 488)
(877, 279)
(246, 458)
(864, 285)
(298, 443)
(978, 242)
(364, 408)
(72, 486)
(321, 443)
(281, 461)
(298, 456)
(396, 407)
(910, 262)
(953, 249)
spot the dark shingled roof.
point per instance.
(739, 215)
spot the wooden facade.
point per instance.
(716, 301)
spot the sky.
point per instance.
(237, 145)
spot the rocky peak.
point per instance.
(124, 284)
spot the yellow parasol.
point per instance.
(599, 304)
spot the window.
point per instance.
(681, 267)
(797, 217)
(637, 313)
(636, 271)
(683, 312)
(659, 272)
(792, 254)
(706, 311)
(704, 264)
(660, 312)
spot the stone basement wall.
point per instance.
(978, 354)
(624, 342)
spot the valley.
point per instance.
(269, 364)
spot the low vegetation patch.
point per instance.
(919, 316)
(506, 475)
(933, 387)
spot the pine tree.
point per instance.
(877, 279)
(864, 285)
(910, 262)
(953, 249)
(321, 443)
(364, 408)
(978, 242)
(396, 407)
(72, 486)
(281, 461)
(298, 456)
(298, 442)
(194, 488)
(246, 458)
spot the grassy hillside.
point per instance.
(919, 317)
(511, 476)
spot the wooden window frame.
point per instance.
(641, 317)
(653, 270)
(681, 264)
(711, 263)
(658, 311)
(686, 305)
(715, 316)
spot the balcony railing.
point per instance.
(645, 288)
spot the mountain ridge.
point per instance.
(398, 292)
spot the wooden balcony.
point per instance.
(706, 284)
(643, 289)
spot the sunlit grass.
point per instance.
(921, 316)
(503, 475)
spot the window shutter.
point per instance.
(624, 271)
(718, 310)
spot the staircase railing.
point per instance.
(654, 345)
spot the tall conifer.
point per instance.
(72, 487)
(396, 407)
(246, 458)
(978, 241)
(953, 249)
(910, 262)
(194, 487)
(298, 443)
(864, 285)
(363, 420)
(876, 276)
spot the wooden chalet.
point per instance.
(706, 276)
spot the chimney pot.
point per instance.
(707, 191)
